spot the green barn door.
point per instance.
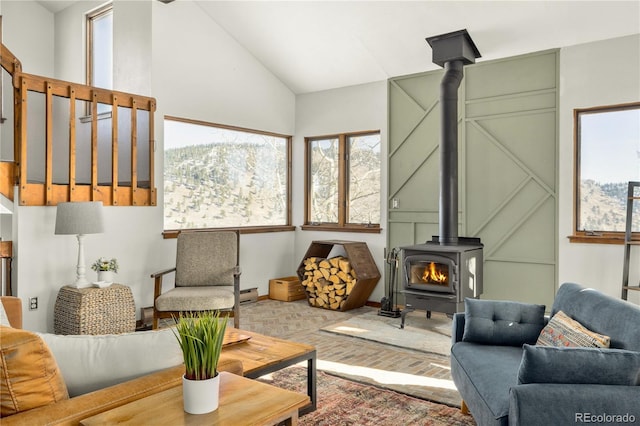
(507, 169)
(511, 182)
(414, 159)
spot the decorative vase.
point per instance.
(200, 396)
(105, 276)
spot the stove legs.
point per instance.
(407, 308)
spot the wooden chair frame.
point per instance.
(234, 312)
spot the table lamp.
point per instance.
(79, 218)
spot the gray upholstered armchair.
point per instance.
(207, 276)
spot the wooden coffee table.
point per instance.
(262, 355)
(242, 402)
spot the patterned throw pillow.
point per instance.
(562, 331)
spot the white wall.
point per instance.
(45, 262)
(594, 74)
(34, 25)
(349, 109)
(200, 72)
(70, 35)
(132, 41)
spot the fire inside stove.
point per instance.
(431, 273)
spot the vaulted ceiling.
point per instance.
(320, 45)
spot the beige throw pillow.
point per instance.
(563, 331)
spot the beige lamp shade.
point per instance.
(79, 218)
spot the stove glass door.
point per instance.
(430, 273)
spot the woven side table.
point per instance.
(109, 310)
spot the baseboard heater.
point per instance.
(248, 295)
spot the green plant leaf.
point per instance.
(200, 336)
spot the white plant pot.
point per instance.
(105, 276)
(200, 396)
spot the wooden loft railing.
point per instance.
(113, 192)
(10, 62)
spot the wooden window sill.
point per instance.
(604, 238)
(173, 233)
(101, 116)
(367, 229)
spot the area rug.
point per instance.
(429, 335)
(347, 403)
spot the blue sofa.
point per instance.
(504, 378)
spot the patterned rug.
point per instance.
(347, 403)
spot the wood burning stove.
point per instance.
(438, 277)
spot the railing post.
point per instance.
(152, 152)
(21, 138)
(17, 115)
(72, 144)
(48, 170)
(94, 145)
(134, 152)
(114, 150)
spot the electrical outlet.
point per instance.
(33, 303)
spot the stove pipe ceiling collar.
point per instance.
(455, 46)
(451, 51)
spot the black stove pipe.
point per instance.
(452, 51)
(449, 85)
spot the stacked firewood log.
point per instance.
(328, 281)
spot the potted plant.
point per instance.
(200, 337)
(105, 269)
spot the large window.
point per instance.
(343, 182)
(220, 176)
(99, 62)
(100, 47)
(607, 141)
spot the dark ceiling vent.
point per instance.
(451, 51)
(165, 1)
